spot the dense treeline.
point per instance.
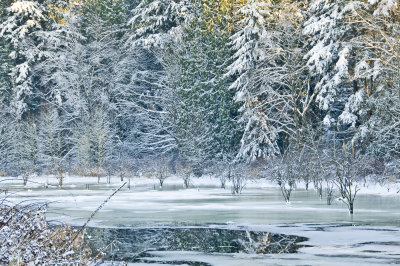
(99, 84)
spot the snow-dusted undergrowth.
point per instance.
(27, 239)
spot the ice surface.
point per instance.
(145, 204)
(370, 237)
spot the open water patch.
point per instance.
(134, 244)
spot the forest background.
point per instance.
(303, 87)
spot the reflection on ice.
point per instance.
(341, 246)
(131, 244)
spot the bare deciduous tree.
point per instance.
(162, 171)
(346, 176)
(238, 179)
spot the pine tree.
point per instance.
(156, 21)
(330, 57)
(374, 103)
(22, 29)
(269, 77)
(249, 44)
(205, 123)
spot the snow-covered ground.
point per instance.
(71, 181)
(370, 237)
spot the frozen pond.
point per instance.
(142, 205)
(370, 237)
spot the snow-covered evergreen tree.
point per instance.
(205, 122)
(21, 30)
(82, 76)
(330, 57)
(374, 103)
(355, 76)
(144, 100)
(268, 70)
(250, 56)
(156, 21)
(5, 96)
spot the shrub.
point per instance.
(28, 239)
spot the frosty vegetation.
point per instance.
(27, 238)
(286, 90)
